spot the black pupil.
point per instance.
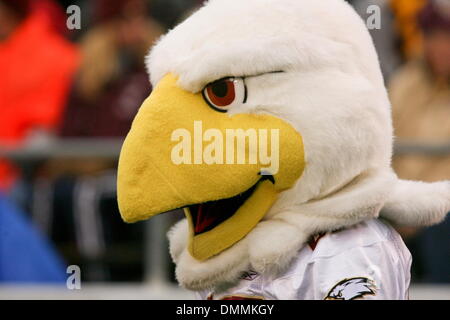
(220, 89)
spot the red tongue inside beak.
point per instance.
(206, 216)
(204, 219)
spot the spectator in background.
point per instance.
(420, 95)
(110, 86)
(37, 65)
(405, 12)
(26, 256)
(112, 82)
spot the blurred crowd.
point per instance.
(89, 83)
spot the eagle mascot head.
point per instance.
(269, 122)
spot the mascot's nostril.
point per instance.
(266, 176)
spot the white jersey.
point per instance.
(366, 261)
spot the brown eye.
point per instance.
(221, 95)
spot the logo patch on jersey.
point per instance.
(352, 288)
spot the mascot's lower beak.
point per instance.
(225, 171)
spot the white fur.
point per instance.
(178, 235)
(415, 203)
(234, 37)
(220, 269)
(331, 91)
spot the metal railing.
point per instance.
(110, 149)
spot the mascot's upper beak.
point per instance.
(181, 153)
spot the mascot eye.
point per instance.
(223, 94)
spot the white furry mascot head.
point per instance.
(301, 80)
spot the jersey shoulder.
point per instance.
(365, 234)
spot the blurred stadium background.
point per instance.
(67, 99)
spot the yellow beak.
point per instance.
(166, 164)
